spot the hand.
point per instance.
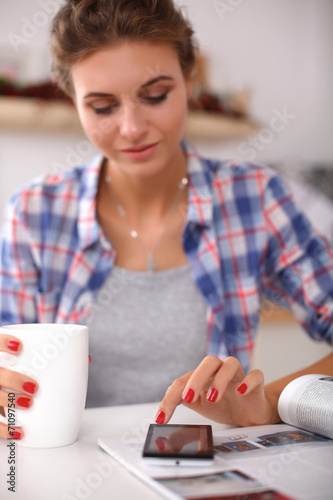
(219, 390)
(23, 386)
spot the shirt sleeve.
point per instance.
(18, 270)
(298, 263)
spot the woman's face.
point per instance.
(132, 102)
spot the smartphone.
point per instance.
(179, 445)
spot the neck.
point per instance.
(140, 194)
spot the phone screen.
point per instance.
(179, 441)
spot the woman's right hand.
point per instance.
(23, 386)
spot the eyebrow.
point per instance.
(144, 86)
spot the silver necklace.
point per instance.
(150, 262)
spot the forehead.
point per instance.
(126, 65)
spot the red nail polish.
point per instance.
(13, 345)
(29, 387)
(189, 395)
(242, 389)
(89, 358)
(160, 417)
(24, 402)
(15, 435)
(212, 395)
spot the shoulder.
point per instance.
(243, 176)
(50, 193)
(215, 170)
(48, 185)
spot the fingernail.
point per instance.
(29, 387)
(160, 444)
(24, 402)
(15, 435)
(160, 417)
(242, 389)
(13, 345)
(189, 395)
(212, 395)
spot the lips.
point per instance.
(143, 152)
(138, 149)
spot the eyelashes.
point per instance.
(158, 99)
(108, 109)
(149, 100)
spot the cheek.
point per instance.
(98, 130)
(173, 120)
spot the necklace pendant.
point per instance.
(151, 266)
(183, 183)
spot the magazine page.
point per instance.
(239, 455)
(227, 485)
(262, 441)
(307, 402)
(187, 483)
(281, 457)
(172, 482)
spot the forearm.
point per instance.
(274, 389)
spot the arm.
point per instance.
(274, 389)
(297, 264)
(18, 290)
(297, 270)
(18, 270)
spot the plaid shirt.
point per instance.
(244, 237)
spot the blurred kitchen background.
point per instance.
(264, 93)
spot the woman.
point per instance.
(164, 255)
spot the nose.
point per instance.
(133, 124)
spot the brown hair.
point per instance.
(81, 27)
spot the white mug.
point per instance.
(56, 356)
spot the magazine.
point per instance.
(253, 463)
(307, 402)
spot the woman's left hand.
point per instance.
(220, 391)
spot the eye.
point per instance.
(104, 106)
(156, 99)
(106, 109)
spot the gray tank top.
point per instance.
(146, 329)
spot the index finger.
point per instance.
(172, 398)
(187, 388)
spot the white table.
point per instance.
(84, 472)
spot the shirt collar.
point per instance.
(89, 229)
(200, 199)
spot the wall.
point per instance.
(284, 51)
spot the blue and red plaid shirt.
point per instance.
(244, 237)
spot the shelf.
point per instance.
(33, 115)
(211, 127)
